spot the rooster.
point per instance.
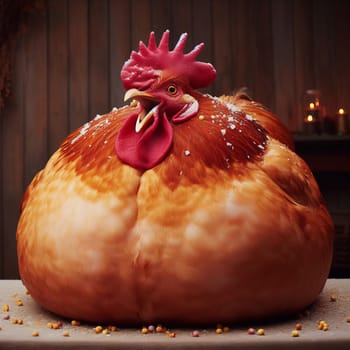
(179, 207)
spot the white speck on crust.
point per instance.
(114, 109)
(232, 126)
(98, 116)
(223, 132)
(232, 107)
(249, 117)
(187, 152)
(82, 132)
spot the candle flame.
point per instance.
(341, 111)
(309, 118)
(312, 105)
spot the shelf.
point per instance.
(324, 153)
(320, 138)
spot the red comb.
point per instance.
(143, 67)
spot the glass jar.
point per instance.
(312, 112)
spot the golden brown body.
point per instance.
(211, 234)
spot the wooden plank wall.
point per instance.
(68, 60)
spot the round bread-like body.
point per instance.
(181, 243)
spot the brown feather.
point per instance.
(268, 120)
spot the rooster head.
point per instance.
(162, 84)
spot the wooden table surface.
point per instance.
(332, 306)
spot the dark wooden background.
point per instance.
(68, 58)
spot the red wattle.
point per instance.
(144, 149)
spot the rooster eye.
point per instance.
(172, 90)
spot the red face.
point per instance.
(165, 98)
(161, 82)
(146, 137)
(170, 95)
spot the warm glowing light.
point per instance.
(311, 105)
(341, 111)
(309, 118)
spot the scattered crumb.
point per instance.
(219, 331)
(251, 331)
(323, 326)
(260, 331)
(160, 329)
(295, 333)
(195, 333)
(54, 325)
(75, 323)
(98, 329)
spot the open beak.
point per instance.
(149, 105)
(134, 93)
